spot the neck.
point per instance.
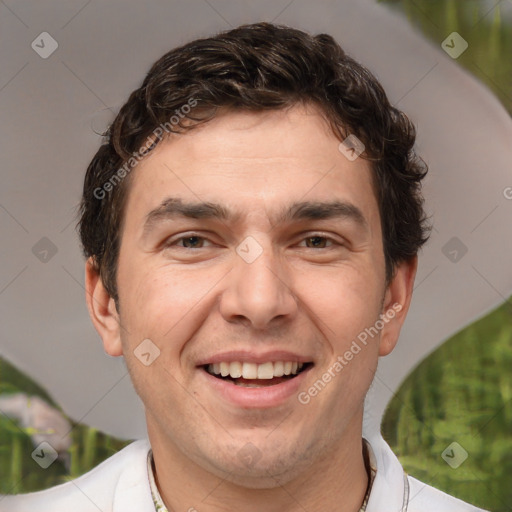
(339, 476)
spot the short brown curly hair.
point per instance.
(257, 67)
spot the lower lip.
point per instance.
(260, 397)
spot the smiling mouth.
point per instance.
(253, 375)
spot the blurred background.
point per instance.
(462, 390)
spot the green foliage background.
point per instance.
(462, 392)
(18, 471)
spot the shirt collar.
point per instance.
(371, 468)
(157, 499)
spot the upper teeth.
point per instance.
(255, 371)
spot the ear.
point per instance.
(102, 310)
(397, 300)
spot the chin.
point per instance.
(263, 476)
(268, 468)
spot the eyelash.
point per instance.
(172, 243)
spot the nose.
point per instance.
(259, 293)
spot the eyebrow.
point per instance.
(174, 207)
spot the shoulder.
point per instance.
(424, 498)
(95, 490)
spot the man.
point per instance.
(255, 211)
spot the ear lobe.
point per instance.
(396, 304)
(102, 310)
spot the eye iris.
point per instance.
(189, 238)
(318, 238)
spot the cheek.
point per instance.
(167, 304)
(345, 301)
(158, 305)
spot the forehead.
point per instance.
(244, 159)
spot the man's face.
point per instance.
(270, 284)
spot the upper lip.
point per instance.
(245, 356)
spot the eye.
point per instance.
(319, 241)
(189, 242)
(194, 241)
